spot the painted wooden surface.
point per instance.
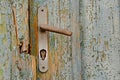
(100, 46)
(14, 19)
(92, 53)
(64, 51)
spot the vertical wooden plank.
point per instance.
(5, 42)
(76, 40)
(60, 59)
(100, 42)
(13, 65)
(21, 63)
(60, 46)
(34, 33)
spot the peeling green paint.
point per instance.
(1, 72)
(2, 28)
(64, 11)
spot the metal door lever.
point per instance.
(46, 27)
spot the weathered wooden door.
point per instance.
(91, 53)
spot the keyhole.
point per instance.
(42, 10)
(43, 54)
(43, 67)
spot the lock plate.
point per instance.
(42, 40)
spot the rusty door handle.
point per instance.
(46, 27)
(43, 39)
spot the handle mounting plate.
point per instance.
(42, 40)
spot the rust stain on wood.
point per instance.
(34, 67)
(15, 24)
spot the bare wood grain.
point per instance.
(33, 67)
